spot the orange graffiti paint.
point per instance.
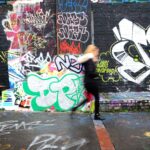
(72, 48)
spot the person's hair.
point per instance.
(90, 49)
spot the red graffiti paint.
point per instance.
(89, 96)
(25, 103)
(31, 8)
(70, 48)
(14, 22)
(12, 34)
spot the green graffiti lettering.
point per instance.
(61, 92)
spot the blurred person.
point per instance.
(91, 82)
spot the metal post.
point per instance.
(92, 27)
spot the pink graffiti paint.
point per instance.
(52, 67)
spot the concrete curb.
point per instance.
(103, 136)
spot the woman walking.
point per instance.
(89, 60)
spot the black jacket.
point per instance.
(90, 71)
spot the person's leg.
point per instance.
(96, 96)
(97, 115)
(95, 91)
(80, 104)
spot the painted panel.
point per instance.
(122, 34)
(73, 26)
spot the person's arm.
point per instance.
(85, 58)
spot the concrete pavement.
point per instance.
(47, 131)
(61, 131)
(128, 131)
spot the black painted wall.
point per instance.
(73, 25)
(106, 17)
(4, 46)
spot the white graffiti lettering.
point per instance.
(39, 19)
(69, 62)
(50, 141)
(7, 126)
(31, 61)
(27, 1)
(73, 26)
(94, 1)
(98, 1)
(66, 91)
(134, 71)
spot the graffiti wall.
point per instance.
(119, 1)
(41, 40)
(3, 2)
(122, 34)
(44, 44)
(4, 46)
(73, 26)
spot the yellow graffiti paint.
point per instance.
(147, 134)
(92, 107)
(5, 147)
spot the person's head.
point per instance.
(92, 49)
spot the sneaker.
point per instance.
(73, 110)
(98, 117)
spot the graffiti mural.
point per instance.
(72, 5)
(70, 48)
(30, 28)
(106, 71)
(19, 28)
(119, 1)
(123, 39)
(47, 90)
(62, 93)
(3, 2)
(73, 25)
(4, 46)
(42, 39)
(68, 62)
(32, 62)
(135, 68)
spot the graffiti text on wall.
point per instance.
(73, 26)
(105, 71)
(69, 62)
(26, 27)
(71, 5)
(135, 61)
(39, 19)
(3, 56)
(62, 93)
(30, 62)
(118, 1)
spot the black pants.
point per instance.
(93, 88)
